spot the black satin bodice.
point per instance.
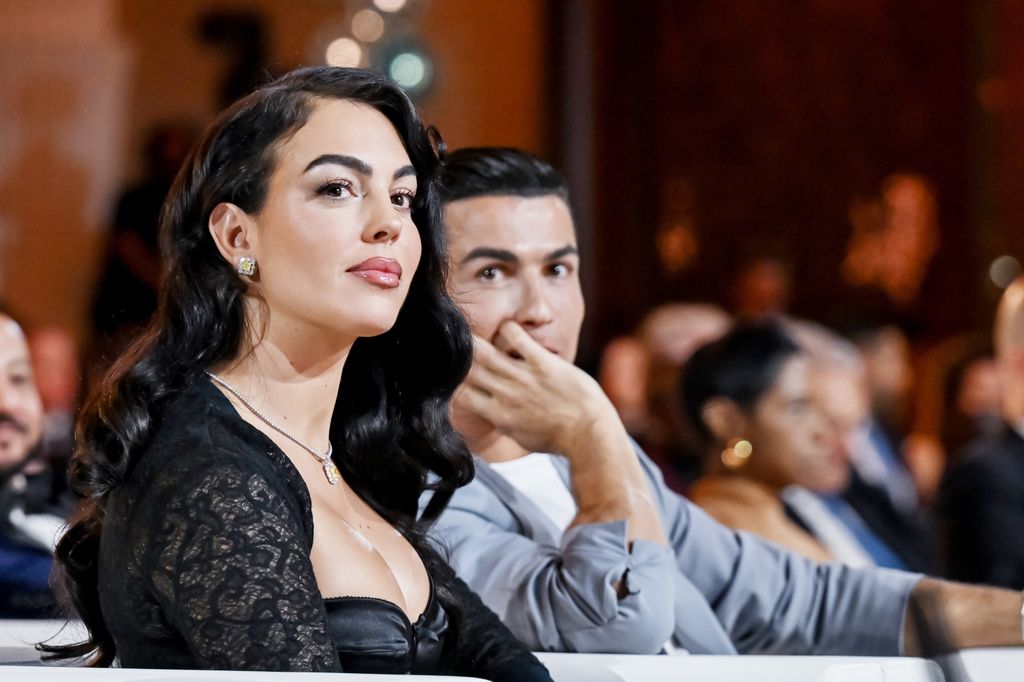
(375, 636)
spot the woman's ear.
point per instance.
(233, 232)
(724, 419)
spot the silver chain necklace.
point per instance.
(330, 468)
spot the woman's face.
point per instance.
(793, 442)
(335, 243)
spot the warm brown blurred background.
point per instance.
(844, 160)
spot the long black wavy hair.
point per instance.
(390, 424)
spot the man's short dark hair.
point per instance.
(499, 171)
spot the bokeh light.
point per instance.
(1003, 271)
(389, 5)
(410, 70)
(367, 25)
(344, 52)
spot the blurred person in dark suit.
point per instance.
(26, 538)
(894, 537)
(971, 402)
(981, 500)
(880, 456)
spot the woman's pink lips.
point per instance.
(382, 272)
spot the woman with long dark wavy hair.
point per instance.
(296, 377)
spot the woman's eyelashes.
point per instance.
(344, 189)
(336, 189)
(403, 198)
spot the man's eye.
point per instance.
(559, 270)
(336, 189)
(489, 273)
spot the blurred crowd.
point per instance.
(830, 442)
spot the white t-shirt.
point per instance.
(536, 476)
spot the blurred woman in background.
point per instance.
(747, 396)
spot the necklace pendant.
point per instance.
(331, 472)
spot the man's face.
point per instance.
(21, 410)
(515, 258)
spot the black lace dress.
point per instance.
(204, 563)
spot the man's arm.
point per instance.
(546, 404)
(772, 601)
(945, 616)
(586, 592)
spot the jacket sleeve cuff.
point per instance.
(604, 548)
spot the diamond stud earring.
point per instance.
(246, 266)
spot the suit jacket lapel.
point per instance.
(534, 522)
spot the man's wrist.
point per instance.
(579, 436)
(1022, 617)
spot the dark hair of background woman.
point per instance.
(740, 366)
(390, 426)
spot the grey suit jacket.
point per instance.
(712, 590)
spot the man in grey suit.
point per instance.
(568, 531)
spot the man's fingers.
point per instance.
(522, 343)
(486, 355)
(480, 378)
(477, 401)
(497, 385)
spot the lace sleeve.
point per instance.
(228, 562)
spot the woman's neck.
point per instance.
(292, 378)
(717, 470)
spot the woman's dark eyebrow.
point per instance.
(403, 171)
(358, 165)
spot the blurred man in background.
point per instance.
(982, 497)
(26, 539)
(894, 536)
